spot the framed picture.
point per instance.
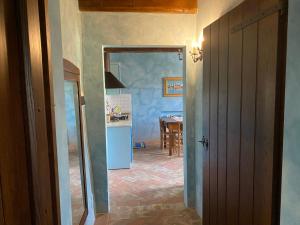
(173, 86)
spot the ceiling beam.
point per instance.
(155, 6)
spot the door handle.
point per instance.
(204, 142)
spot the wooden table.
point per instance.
(172, 123)
(170, 120)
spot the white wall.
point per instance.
(211, 10)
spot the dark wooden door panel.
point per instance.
(13, 156)
(25, 128)
(206, 104)
(248, 124)
(213, 122)
(266, 4)
(244, 61)
(248, 114)
(40, 119)
(1, 207)
(250, 9)
(234, 117)
(222, 118)
(265, 119)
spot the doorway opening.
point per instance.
(144, 127)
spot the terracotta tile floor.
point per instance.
(76, 187)
(150, 193)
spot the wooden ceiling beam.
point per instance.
(156, 6)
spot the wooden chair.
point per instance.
(175, 138)
(180, 139)
(164, 134)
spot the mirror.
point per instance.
(75, 148)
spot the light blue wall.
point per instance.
(70, 17)
(60, 118)
(290, 201)
(142, 75)
(57, 45)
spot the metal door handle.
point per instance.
(204, 142)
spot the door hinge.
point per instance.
(82, 100)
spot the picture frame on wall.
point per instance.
(172, 86)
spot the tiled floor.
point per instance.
(76, 187)
(150, 193)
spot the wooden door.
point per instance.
(243, 85)
(1, 207)
(14, 175)
(28, 187)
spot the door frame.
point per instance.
(33, 53)
(162, 49)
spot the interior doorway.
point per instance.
(145, 151)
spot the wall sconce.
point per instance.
(180, 55)
(197, 54)
(197, 51)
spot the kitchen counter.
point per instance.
(119, 144)
(120, 123)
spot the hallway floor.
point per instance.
(150, 193)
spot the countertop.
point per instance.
(120, 123)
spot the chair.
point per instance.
(175, 138)
(164, 134)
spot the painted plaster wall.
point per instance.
(66, 33)
(60, 118)
(71, 31)
(134, 29)
(290, 199)
(142, 75)
(208, 12)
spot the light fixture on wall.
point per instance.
(180, 54)
(197, 51)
